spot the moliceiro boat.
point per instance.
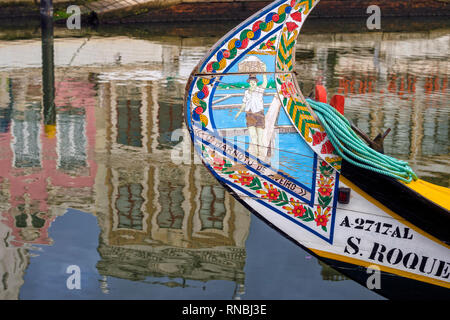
(299, 165)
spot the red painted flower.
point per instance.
(271, 193)
(318, 137)
(291, 26)
(298, 211)
(324, 191)
(297, 16)
(291, 86)
(285, 91)
(327, 148)
(321, 220)
(245, 180)
(218, 163)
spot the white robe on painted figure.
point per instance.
(254, 100)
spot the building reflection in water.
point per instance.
(159, 219)
(109, 154)
(389, 82)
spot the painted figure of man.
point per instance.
(253, 105)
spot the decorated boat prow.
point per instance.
(299, 165)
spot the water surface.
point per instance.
(105, 178)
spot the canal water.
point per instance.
(98, 178)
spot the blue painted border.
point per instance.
(314, 177)
(335, 202)
(187, 109)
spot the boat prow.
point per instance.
(260, 138)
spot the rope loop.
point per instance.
(353, 149)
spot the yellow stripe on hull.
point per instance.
(437, 194)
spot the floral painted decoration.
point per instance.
(320, 213)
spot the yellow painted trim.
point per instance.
(390, 212)
(366, 264)
(437, 194)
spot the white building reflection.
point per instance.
(159, 219)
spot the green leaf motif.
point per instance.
(308, 216)
(324, 201)
(256, 184)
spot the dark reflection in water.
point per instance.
(109, 148)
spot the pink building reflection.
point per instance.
(35, 161)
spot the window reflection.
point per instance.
(71, 140)
(170, 119)
(26, 132)
(172, 213)
(129, 206)
(129, 123)
(212, 207)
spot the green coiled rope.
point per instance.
(354, 150)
